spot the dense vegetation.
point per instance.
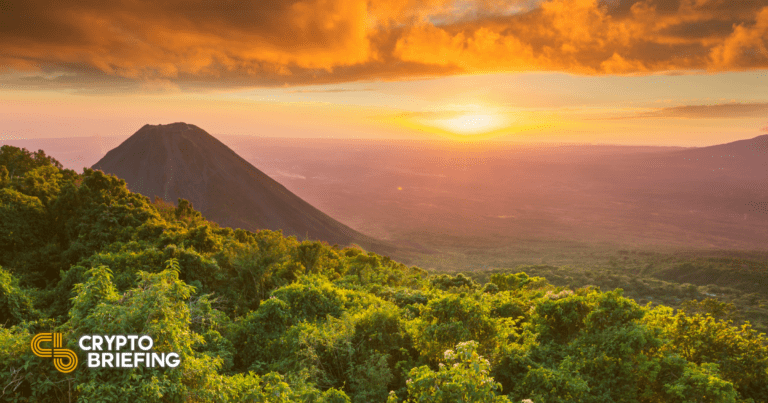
(648, 274)
(262, 318)
(723, 302)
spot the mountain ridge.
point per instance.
(181, 160)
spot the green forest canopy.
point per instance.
(259, 317)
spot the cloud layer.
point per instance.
(200, 43)
(730, 110)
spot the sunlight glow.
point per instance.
(470, 123)
(464, 122)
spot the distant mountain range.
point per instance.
(181, 160)
(410, 193)
(739, 159)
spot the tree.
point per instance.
(464, 378)
(15, 303)
(451, 319)
(740, 354)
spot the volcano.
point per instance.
(181, 160)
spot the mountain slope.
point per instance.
(742, 159)
(180, 160)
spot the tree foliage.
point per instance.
(258, 317)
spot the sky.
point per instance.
(653, 72)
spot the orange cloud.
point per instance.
(483, 51)
(745, 47)
(579, 36)
(716, 111)
(174, 43)
(170, 39)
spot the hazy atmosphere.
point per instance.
(400, 201)
(652, 72)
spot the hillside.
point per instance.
(258, 317)
(183, 161)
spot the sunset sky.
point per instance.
(667, 72)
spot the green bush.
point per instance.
(258, 317)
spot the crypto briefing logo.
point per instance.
(104, 351)
(64, 359)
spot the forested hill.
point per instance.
(258, 317)
(180, 160)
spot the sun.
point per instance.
(462, 122)
(471, 123)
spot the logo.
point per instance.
(104, 351)
(132, 358)
(64, 359)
